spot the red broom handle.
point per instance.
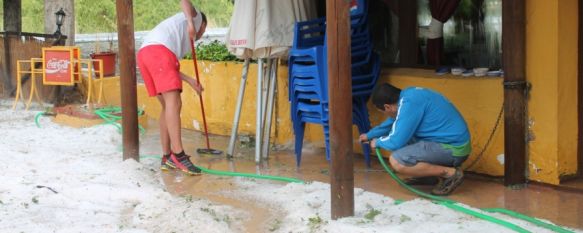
(206, 134)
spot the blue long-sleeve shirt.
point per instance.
(425, 115)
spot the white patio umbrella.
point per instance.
(263, 29)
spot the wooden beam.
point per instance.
(12, 23)
(127, 61)
(408, 47)
(514, 64)
(340, 97)
(580, 94)
(12, 15)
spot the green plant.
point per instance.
(315, 222)
(404, 218)
(213, 51)
(372, 213)
(188, 198)
(275, 225)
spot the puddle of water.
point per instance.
(219, 190)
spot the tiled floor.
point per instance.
(560, 206)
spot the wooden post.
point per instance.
(12, 23)
(127, 61)
(12, 15)
(340, 97)
(514, 65)
(580, 93)
(408, 48)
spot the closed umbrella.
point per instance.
(262, 29)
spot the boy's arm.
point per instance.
(381, 130)
(190, 13)
(406, 123)
(192, 82)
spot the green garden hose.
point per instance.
(528, 219)
(488, 218)
(239, 174)
(250, 175)
(109, 116)
(452, 205)
(36, 117)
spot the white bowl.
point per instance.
(494, 73)
(457, 71)
(480, 71)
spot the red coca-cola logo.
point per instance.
(55, 65)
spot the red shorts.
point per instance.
(160, 69)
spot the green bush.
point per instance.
(213, 51)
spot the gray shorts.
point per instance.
(429, 152)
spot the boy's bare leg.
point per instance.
(422, 169)
(173, 104)
(164, 136)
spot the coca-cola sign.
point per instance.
(57, 66)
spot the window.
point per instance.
(471, 37)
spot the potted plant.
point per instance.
(108, 57)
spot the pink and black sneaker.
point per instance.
(164, 163)
(182, 161)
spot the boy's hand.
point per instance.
(373, 144)
(363, 138)
(193, 83)
(197, 87)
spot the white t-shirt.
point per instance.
(172, 33)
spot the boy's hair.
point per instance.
(385, 94)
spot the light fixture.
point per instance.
(60, 16)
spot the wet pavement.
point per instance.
(563, 207)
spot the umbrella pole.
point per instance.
(235, 128)
(258, 122)
(264, 91)
(270, 102)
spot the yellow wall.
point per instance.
(552, 105)
(552, 70)
(542, 70)
(567, 100)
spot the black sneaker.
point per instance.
(182, 162)
(164, 163)
(427, 180)
(447, 185)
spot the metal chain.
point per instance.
(489, 139)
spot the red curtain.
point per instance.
(441, 10)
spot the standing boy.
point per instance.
(158, 62)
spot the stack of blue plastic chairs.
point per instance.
(308, 76)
